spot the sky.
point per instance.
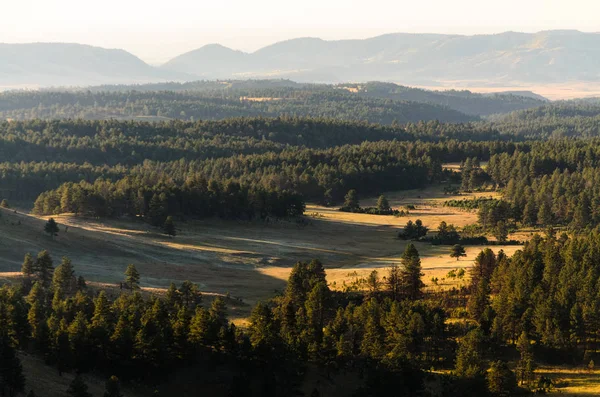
(159, 30)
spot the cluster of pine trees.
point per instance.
(156, 202)
(385, 335)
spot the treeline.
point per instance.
(155, 202)
(576, 119)
(194, 105)
(383, 336)
(555, 183)
(318, 175)
(548, 293)
(463, 101)
(127, 142)
(42, 155)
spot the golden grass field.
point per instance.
(575, 382)
(249, 260)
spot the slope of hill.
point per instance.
(544, 57)
(462, 101)
(213, 104)
(58, 64)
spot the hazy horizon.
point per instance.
(156, 33)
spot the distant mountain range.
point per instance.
(419, 59)
(56, 64)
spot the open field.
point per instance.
(248, 260)
(573, 382)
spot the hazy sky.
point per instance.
(158, 30)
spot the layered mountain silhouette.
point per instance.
(424, 59)
(545, 57)
(57, 64)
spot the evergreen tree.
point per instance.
(28, 267)
(501, 231)
(4, 204)
(78, 388)
(457, 251)
(530, 212)
(44, 267)
(544, 216)
(351, 200)
(132, 277)
(410, 273)
(394, 282)
(382, 204)
(64, 276)
(190, 294)
(469, 358)
(525, 366)
(157, 212)
(169, 227)
(51, 227)
(501, 380)
(373, 284)
(479, 301)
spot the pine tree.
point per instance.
(44, 267)
(525, 366)
(351, 200)
(530, 212)
(544, 216)
(199, 328)
(158, 208)
(383, 204)
(101, 324)
(479, 301)
(469, 358)
(373, 284)
(78, 388)
(394, 282)
(51, 227)
(501, 380)
(457, 251)
(4, 204)
(169, 227)
(113, 388)
(190, 294)
(132, 277)
(28, 267)
(501, 231)
(410, 273)
(64, 276)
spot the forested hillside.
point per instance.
(483, 332)
(213, 100)
(220, 104)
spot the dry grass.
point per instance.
(248, 260)
(573, 382)
(259, 99)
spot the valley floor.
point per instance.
(250, 261)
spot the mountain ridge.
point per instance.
(430, 59)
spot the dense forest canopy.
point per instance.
(386, 331)
(218, 105)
